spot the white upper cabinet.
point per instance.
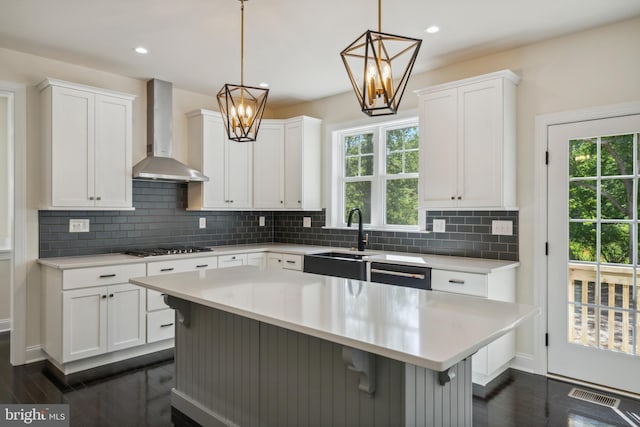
(268, 166)
(280, 170)
(467, 143)
(302, 163)
(228, 164)
(87, 147)
(287, 166)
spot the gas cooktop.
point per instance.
(166, 250)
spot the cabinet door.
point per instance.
(72, 151)
(214, 144)
(439, 149)
(257, 260)
(225, 261)
(238, 177)
(275, 261)
(293, 179)
(127, 316)
(113, 152)
(84, 323)
(268, 168)
(480, 150)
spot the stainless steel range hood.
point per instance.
(159, 165)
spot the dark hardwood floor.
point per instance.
(141, 397)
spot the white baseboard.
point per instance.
(523, 362)
(34, 354)
(5, 325)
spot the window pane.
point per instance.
(411, 159)
(366, 166)
(583, 203)
(394, 163)
(351, 166)
(367, 144)
(583, 156)
(615, 197)
(616, 154)
(352, 145)
(615, 244)
(395, 140)
(358, 195)
(582, 241)
(411, 139)
(402, 201)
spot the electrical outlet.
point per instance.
(503, 228)
(78, 225)
(306, 221)
(261, 221)
(439, 225)
(203, 222)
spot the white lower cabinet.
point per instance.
(236, 260)
(92, 311)
(492, 360)
(257, 259)
(285, 261)
(161, 318)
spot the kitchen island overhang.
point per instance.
(428, 332)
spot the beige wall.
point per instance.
(596, 67)
(591, 68)
(5, 291)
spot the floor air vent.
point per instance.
(597, 398)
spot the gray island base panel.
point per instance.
(235, 371)
(258, 346)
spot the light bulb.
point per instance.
(387, 81)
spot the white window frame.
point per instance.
(378, 180)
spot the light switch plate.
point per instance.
(439, 225)
(78, 225)
(503, 228)
(203, 222)
(261, 221)
(306, 221)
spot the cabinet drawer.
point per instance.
(460, 283)
(155, 300)
(99, 276)
(232, 260)
(181, 265)
(292, 262)
(160, 325)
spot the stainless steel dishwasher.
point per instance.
(399, 275)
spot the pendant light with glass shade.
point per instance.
(242, 106)
(371, 61)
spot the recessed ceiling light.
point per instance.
(141, 50)
(432, 29)
(264, 84)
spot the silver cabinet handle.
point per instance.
(290, 262)
(166, 325)
(202, 265)
(456, 281)
(398, 273)
(91, 197)
(98, 198)
(167, 269)
(105, 276)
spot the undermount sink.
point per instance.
(338, 264)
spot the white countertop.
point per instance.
(426, 328)
(442, 262)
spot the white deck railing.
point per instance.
(614, 315)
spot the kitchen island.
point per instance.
(262, 347)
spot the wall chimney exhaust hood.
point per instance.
(159, 165)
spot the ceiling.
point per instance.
(293, 45)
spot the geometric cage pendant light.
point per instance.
(242, 106)
(379, 66)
